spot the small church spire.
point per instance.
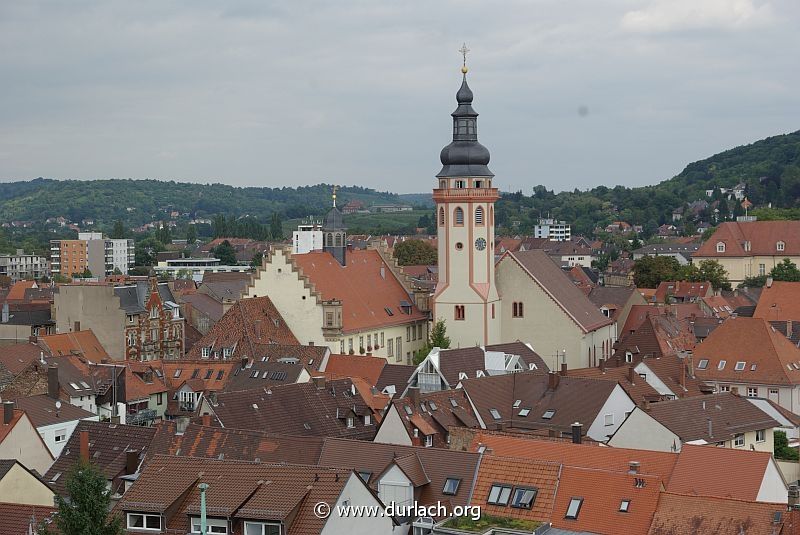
(464, 51)
(334, 195)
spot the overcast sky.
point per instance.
(572, 93)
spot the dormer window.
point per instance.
(720, 247)
(780, 246)
(747, 246)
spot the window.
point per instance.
(206, 352)
(451, 486)
(495, 414)
(548, 414)
(360, 343)
(160, 398)
(349, 344)
(153, 313)
(365, 476)
(428, 441)
(574, 508)
(195, 373)
(724, 388)
(390, 348)
(703, 364)
(213, 525)
(261, 528)
(739, 366)
(499, 494)
(177, 373)
(479, 216)
(523, 497)
(144, 521)
(351, 422)
(459, 184)
(752, 391)
(524, 412)
(608, 419)
(367, 419)
(780, 246)
(721, 365)
(720, 247)
(762, 269)
(441, 217)
(517, 310)
(738, 440)
(628, 357)
(398, 345)
(408, 334)
(458, 216)
(624, 506)
(460, 313)
(761, 435)
(209, 373)
(220, 374)
(61, 435)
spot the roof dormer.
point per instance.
(720, 247)
(781, 245)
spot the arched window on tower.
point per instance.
(338, 239)
(441, 217)
(479, 215)
(329, 240)
(458, 216)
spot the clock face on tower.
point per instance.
(480, 244)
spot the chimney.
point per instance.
(631, 375)
(768, 284)
(53, 387)
(789, 331)
(131, 462)
(257, 327)
(5, 313)
(646, 405)
(735, 390)
(8, 412)
(244, 362)
(564, 364)
(319, 381)
(603, 365)
(683, 374)
(32, 339)
(77, 326)
(84, 446)
(794, 497)
(413, 395)
(576, 433)
(552, 380)
(207, 420)
(710, 428)
(633, 467)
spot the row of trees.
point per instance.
(785, 271)
(248, 227)
(650, 271)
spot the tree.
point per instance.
(118, 231)
(713, 272)
(87, 274)
(184, 274)
(785, 271)
(437, 338)
(85, 512)
(257, 260)
(650, 271)
(117, 271)
(415, 253)
(275, 226)
(191, 235)
(226, 253)
(782, 449)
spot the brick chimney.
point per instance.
(84, 449)
(413, 395)
(131, 462)
(576, 433)
(8, 412)
(319, 381)
(552, 380)
(53, 387)
(735, 390)
(631, 375)
(207, 420)
(564, 365)
(794, 497)
(603, 365)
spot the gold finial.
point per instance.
(464, 51)
(334, 196)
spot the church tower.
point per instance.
(466, 296)
(334, 233)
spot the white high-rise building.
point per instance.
(104, 255)
(307, 238)
(553, 230)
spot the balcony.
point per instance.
(143, 417)
(465, 194)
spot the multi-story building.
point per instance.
(553, 230)
(68, 257)
(308, 237)
(141, 321)
(22, 266)
(102, 256)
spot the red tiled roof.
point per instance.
(41, 410)
(602, 493)
(83, 342)
(679, 514)
(682, 290)
(17, 357)
(17, 290)
(762, 235)
(197, 370)
(368, 368)
(17, 519)
(754, 342)
(779, 302)
(364, 293)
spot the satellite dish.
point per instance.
(58, 405)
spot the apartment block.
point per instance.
(94, 251)
(21, 266)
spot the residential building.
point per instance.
(68, 257)
(682, 252)
(779, 304)
(19, 440)
(749, 355)
(105, 256)
(22, 370)
(20, 266)
(141, 321)
(308, 236)
(725, 420)
(247, 498)
(20, 322)
(552, 229)
(196, 267)
(24, 518)
(359, 307)
(749, 249)
(545, 308)
(616, 302)
(444, 369)
(55, 421)
(19, 485)
(569, 253)
(682, 291)
(466, 295)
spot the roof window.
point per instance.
(408, 409)
(453, 402)
(432, 406)
(524, 412)
(740, 366)
(624, 506)
(703, 364)
(574, 508)
(548, 414)
(524, 497)
(517, 403)
(721, 365)
(499, 494)
(495, 414)
(451, 485)
(720, 247)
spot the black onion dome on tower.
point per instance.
(334, 220)
(465, 157)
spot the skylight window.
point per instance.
(432, 406)
(408, 409)
(451, 486)
(574, 508)
(624, 506)
(195, 373)
(524, 412)
(453, 402)
(740, 366)
(495, 414)
(177, 373)
(255, 406)
(254, 374)
(220, 374)
(84, 385)
(74, 386)
(517, 403)
(721, 365)
(264, 375)
(523, 497)
(548, 414)
(388, 311)
(703, 364)
(209, 373)
(499, 494)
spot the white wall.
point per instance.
(642, 431)
(356, 492)
(392, 430)
(618, 405)
(49, 432)
(773, 487)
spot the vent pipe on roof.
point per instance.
(794, 497)
(552, 380)
(564, 362)
(8, 412)
(710, 428)
(576, 433)
(768, 284)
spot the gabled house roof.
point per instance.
(395, 375)
(657, 336)
(16, 358)
(365, 286)
(613, 297)
(209, 375)
(133, 298)
(636, 387)
(368, 368)
(683, 290)
(434, 413)
(553, 281)
(762, 354)
(780, 301)
(83, 343)
(763, 237)
(706, 515)
(259, 374)
(303, 409)
(41, 409)
(17, 519)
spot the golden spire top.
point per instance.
(464, 51)
(334, 196)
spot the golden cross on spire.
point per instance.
(464, 51)
(334, 196)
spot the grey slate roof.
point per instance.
(133, 299)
